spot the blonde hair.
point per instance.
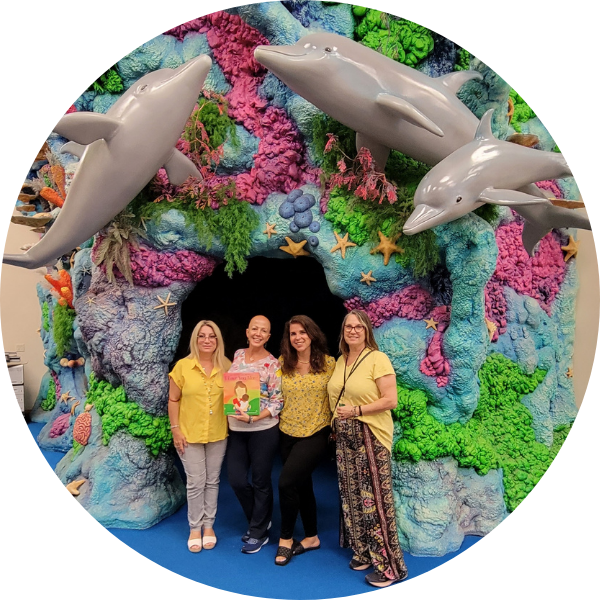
(219, 359)
(364, 320)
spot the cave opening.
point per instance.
(276, 288)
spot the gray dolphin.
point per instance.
(124, 148)
(388, 104)
(488, 170)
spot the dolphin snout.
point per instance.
(200, 65)
(423, 217)
(269, 56)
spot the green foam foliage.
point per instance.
(45, 316)
(398, 39)
(118, 413)
(522, 111)
(63, 328)
(463, 60)
(232, 224)
(49, 402)
(212, 115)
(499, 435)
(109, 82)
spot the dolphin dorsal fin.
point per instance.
(73, 148)
(484, 131)
(454, 81)
(87, 127)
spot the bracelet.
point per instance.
(174, 426)
(250, 419)
(173, 400)
(356, 411)
(360, 411)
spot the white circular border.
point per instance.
(546, 548)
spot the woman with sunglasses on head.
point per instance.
(199, 427)
(304, 430)
(362, 392)
(253, 440)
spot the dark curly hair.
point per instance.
(318, 346)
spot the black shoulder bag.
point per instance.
(331, 441)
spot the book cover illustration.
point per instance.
(241, 393)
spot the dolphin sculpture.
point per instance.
(492, 171)
(120, 152)
(388, 104)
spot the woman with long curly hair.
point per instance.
(304, 430)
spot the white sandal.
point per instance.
(195, 545)
(209, 539)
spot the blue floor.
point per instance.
(320, 574)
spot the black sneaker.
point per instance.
(253, 545)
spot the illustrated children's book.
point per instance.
(241, 393)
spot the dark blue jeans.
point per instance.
(253, 452)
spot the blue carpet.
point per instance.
(320, 574)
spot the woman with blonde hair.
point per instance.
(362, 392)
(199, 427)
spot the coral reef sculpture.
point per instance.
(480, 333)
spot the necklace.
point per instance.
(304, 362)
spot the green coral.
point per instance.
(463, 60)
(109, 82)
(398, 39)
(212, 115)
(499, 435)
(49, 402)
(45, 316)
(232, 224)
(118, 413)
(522, 111)
(63, 328)
(346, 146)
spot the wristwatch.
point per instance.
(250, 419)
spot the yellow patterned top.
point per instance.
(306, 402)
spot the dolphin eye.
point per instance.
(142, 88)
(327, 49)
(458, 199)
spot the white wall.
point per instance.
(21, 312)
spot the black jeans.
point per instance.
(300, 457)
(253, 451)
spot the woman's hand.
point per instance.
(346, 412)
(241, 416)
(179, 440)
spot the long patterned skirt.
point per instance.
(368, 520)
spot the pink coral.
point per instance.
(159, 269)
(435, 363)
(60, 425)
(550, 186)
(57, 385)
(413, 302)
(280, 165)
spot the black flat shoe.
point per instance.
(284, 553)
(358, 566)
(298, 548)
(378, 579)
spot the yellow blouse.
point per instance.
(362, 389)
(201, 415)
(305, 402)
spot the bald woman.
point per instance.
(253, 441)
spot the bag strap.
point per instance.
(354, 367)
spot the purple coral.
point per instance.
(435, 363)
(159, 269)
(60, 425)
(413, 302)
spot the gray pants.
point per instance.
(202, 464)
